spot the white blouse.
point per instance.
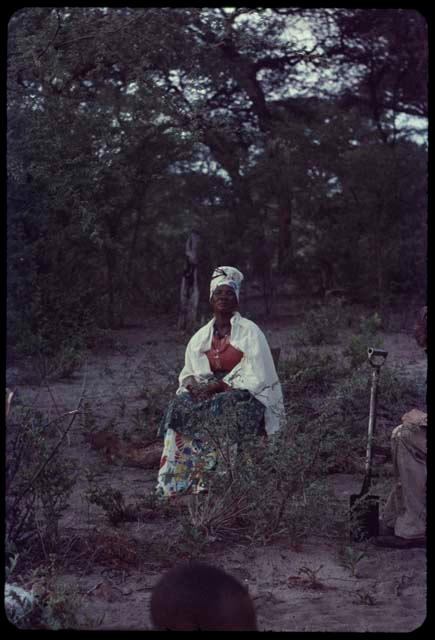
(255, 372)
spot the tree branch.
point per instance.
(55, 448)
(270, 62)
(54, 37)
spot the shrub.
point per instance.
(54, 332)
(48, 603)
(293, 498)
(310, 372)
(39, 481)
(322, 325)
(356, 349)
(109, 499)
(262, 493)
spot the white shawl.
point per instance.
(255, 372)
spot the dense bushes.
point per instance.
(283, 489)
(110, 165)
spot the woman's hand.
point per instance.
(206, 392)
(197, 393)
(216, 387)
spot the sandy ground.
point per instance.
(386, 592)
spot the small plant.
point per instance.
(311, 576)
(356, 349)
(59, 607)
(117, 510)
(371, 324)
(217, 515)
(144, 424)
(111, 500)
(151, 501)
(349, 558)
(194, 538)
(364, 597)
(145, 419)
(69, 361)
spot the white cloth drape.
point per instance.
(255, 372)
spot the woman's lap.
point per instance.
(234, 414)
(191, 430)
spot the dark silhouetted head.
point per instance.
(196, 596)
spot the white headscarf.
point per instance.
(230, 276)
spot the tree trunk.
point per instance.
(125, 294)
(262, 270)
(379, 260)
(282, 168)
(189, 293)
(110, 288)
(285, 248)
(132, 249)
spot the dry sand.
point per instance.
(387, 592)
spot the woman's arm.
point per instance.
(196, 366)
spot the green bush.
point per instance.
(356, 348)
(310, 372)
(110, 500)
(322, 325)
(272, 492)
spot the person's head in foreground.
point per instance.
(195, 596)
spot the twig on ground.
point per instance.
(94, 587)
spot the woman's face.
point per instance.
(224, 299)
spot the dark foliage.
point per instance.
(128, 127)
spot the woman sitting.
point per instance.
(229, 378)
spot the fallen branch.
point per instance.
(94, 587)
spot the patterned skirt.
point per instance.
(194, 433)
